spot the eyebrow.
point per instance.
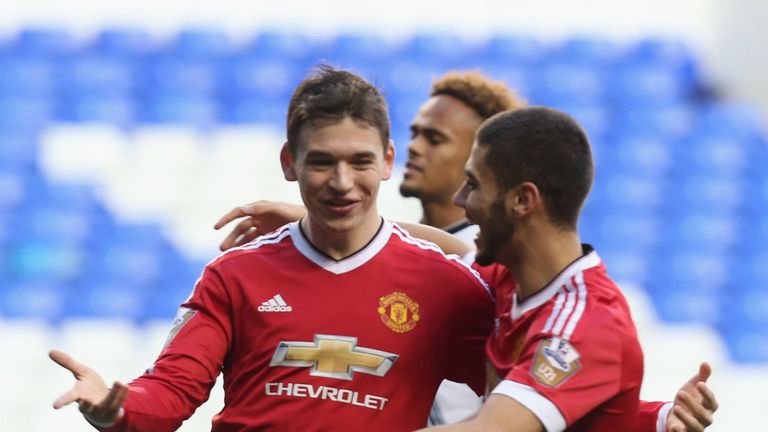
(428, 130)
(319, 153)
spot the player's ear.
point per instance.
(523, 199)
(389, 160)
(287, 161)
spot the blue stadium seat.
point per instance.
(97, 73)
(26, 77)
(647, 84)
(668, 121)
(256, 110)
(283, 46)
(689, 270)
(747, 345)
(32, 300)
(587, 51)
(249, 76)
(681, 304)
(174, 74)
(94, 108)
(560, 81)
(442, 50)
(25, 113)
(104, 299)
(629, 231)
(44, 42)
(180, 108)
(520, 50)
(359, 49)
(625, 193)
(625, 265)
(642, 155)
(712, 155)
(702, 193)
(202, 44)
(123, 43)
(710, 232)
(45, 260)
(18, 150)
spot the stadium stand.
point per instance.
(86, 130)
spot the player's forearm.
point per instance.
(652, 417)
(448, 243)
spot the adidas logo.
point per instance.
(275, 304)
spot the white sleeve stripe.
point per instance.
(423, 244)
(579, 307)
(570, 302)
(547, 412)
(661, 421)
(556, 310)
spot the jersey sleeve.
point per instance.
(564, 371)
(475, 304)
(186, 370)
(652, 416)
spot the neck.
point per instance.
(540, 255)
(441, 214)
(340, 244)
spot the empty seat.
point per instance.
(123, 43)
(43, 42)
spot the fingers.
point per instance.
(708, 397)
(233, 214)
(245, 227)
(65, 399)
(689, 423)
(67, 362)
(696, 414)
(107, 409)
(705, 370)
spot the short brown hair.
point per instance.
(543, 146)
(329, 95)
(484, 95)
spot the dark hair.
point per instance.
(328, 95)
(484, 95)
(543, 146)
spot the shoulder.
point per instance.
(437, 263)
(262, 246)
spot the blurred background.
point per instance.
(128, 128)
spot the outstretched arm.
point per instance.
(259, 217)
(100, 405)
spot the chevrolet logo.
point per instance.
(333, 357)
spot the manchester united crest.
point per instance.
(398, 312)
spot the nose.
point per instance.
(342, 180)
(460, 197)
(415, 146)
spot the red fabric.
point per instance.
(228, 333)
(602, 395)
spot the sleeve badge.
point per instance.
(555, 361)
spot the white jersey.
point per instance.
(454, 401)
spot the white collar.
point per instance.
(586, 261)
(347, 264)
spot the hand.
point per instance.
(694, 404)
(99, 403)
(261, 217)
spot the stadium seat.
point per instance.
(443, 50)
(42, 301)
(519, 50)
(95, 108)
(277, 45)
(249, 76)
(201, 44)
(43, 42)
(123, 43)
(97, 73)
(179, 108)
(587, 51)
(26, 77)
(194, 77)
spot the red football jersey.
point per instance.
(570, 352)
(308, 343)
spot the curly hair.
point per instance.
(484, 95)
